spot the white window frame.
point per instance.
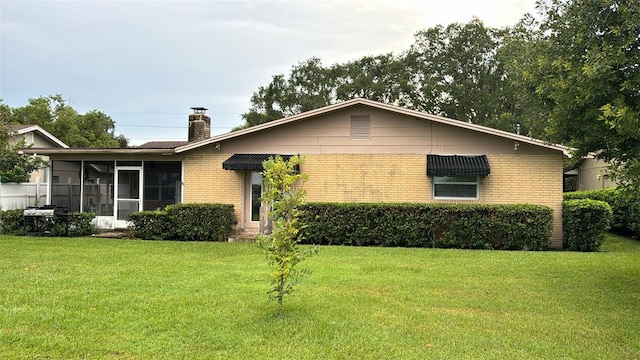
(435, 182)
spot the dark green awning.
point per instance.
(249, 161)
(457, 165)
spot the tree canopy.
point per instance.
(588, 68)
(457, 71)
(569, 74)
(94, 129)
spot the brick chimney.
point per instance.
(199, 125)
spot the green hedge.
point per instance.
(186, 222)
(11, 222)
(625, 206)
(584, 224)
(152, 225)
(505, 227)
(79, 224)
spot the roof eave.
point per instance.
(44, 133)
(86, 151)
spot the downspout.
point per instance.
(49, 184)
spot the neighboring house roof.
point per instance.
(20, 129)
(162, 144)
(378, 105)
(168, 147)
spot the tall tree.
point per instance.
(380, 78)
(518, 52)
(311, 85)
(452, 71)
(589, 68)
(308, 86)
(455, 72)
(93, 129)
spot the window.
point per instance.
(162, 184)
(360, 127)
(457, 187)
(66, 184)
(98, 187)
(456, 176)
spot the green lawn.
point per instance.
(124, 299)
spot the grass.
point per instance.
(124, 299)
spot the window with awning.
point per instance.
(456, 176)
(458, 165)
(252, 162)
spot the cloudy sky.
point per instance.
(145, 63)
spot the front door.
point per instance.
(128, 194)
(252, 206)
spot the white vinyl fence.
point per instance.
(19, 196)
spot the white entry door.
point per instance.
(128, 194)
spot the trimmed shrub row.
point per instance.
(584, 224)
(80, 224)
(625, 206)
(504, 227)
(11, 222)
(186, 222)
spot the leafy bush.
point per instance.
(201, 222)
(187, 222)
(152, 225)
(81, 224)
(507, 227)
(11, 222)
(625, 205)
(584, 224)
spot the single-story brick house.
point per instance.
(356, 151)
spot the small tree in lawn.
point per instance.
(282, 195)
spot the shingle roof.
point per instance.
(162, 144)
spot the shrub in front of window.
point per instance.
(152, 225)
(468, 226)
(186, 222)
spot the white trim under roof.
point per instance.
(359, 101)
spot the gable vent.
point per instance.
(360, 127)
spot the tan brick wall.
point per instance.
(366, 178)
(206, 182)
(529, 179)
(532, 179)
